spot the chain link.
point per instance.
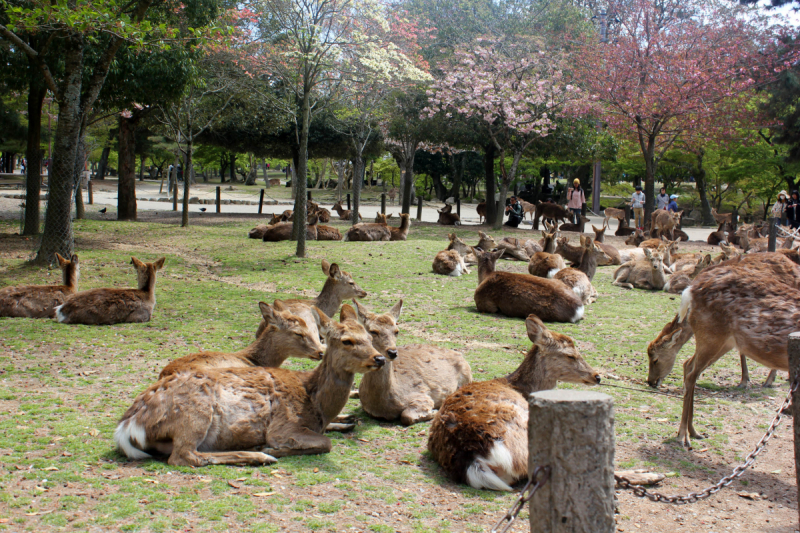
(693, 497)
(540, 476)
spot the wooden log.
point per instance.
(573, 433)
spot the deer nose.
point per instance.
(597, 378)
(380, 361)
(321, 354)
(391, 354)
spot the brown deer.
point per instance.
(324, 215)
(579, 227)
(613, 212)
(647, 274)
(368, 232)
(520, 295)
(282, 231)
(328, 233)
(574, 253)
(549, 211)
(392, 194)
(481, 210)
(40, 301)
(339, 286)
(548, 240)
(579, 278)
(450, 262)
(599, 233)
(486, 242)
(113, 306)
(446, 218)
(728, 252)
(766, 286)
(527, 208)
(635, 238)
(514, 249)
(221, 416)
(624, 230)
(344, 214)
(480, 434)
(751, 244)
(382, 218)
(257, 232)
(286, 335)
(416, 378)
(400, 233)
(545, 265)
(727, 218)
(721, 235)
(685, 274)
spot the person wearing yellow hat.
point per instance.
(575, 200)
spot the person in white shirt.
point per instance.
(637, 203)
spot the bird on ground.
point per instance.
(104, 210)
(203, 209)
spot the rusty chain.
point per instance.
(693, 497)
(540, 476)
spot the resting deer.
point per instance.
(599, 233)
(113, 306)
(721, 235)
(220, 416)
(647, 274)
(450, 262)
(548, 240)
(684, 276)
(382, 218)
(486, 241)
(323, 214)
(282, 231)
(339, 286)
(257, 232)
(401, 233)
(579, 227)
(514, 249)
(480, 434)
(545, 265)
(728, 252)
(574, 253)
(579, 278)
(520, 295)
(481, 210)
(285, 335)
(765, 286)
(446, 218)
(416, 379)
(344, 214)
(750, 244)
(328, 233)
(635, 238)
(368, 232)
(623, 229)
(40, 301)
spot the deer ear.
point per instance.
(536, 328)
(160, 263)
(361, 311)
(279, 306)
(267, 312)
(61, 261)
(347, 313)
(396, 309)
(451, 236)
(322, 319)
(648, 253)
(334, 271)
(325, 267)
(135, 262)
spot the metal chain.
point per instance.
(540, 476)
(693, 497)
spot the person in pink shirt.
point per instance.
(576, 199)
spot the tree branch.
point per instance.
(34, 56)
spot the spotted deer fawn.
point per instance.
(221, 416)
(285, 335)
(417, 377)
(113, 306)
(480, 434)
(40, 301)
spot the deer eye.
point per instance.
(299, 334)
(373, 332)
(347, 342)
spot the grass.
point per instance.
(62, 388)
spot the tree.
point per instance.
(518, 90)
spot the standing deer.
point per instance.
(286, 335)
(221, 416)
(480, 434)
(613, 212)
(481, 210)
(549, 211)
(113, 306)
(647, 274)
(416, 379)
(40, 301)
(727, 218)
(520, 295)
(665, 222)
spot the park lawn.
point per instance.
(62, 388)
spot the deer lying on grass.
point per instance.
(400, 233)
(339, 286)
(574, 253)
(751, 244)
(486, 241)
(548, 240)
(545, 265)
(520, 295)
(480, 434)
(285, 335)
(579, 227)
(257, 232)
(328, 233)
(599, 233)
(721, 235)
(514, 250)
(416, 379)
(728, 252)
(647, 274)
(282, 231)
(635, 238)
(219, 416)
(344, 214)
(446, 218)
(40, 301)
(382, 218)
(685, 274)
(450, 262)
(579, 278)
(623, 229)
(368, 232)
(97, 307)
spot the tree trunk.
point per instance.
(103, 167)
(408, 182)
(223, 164)
(80, 159)
(33, 153)
(126, 186)
(439, 189)
(187, 178)
(233, 168)
(358, 179)
(488, 171)
(300, 205)
(142, 160)
(700, 181)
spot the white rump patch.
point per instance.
(60, 317)
(552, 272)
(456, 271)
(130, 437)
(481, 474)
(578, 314)
(686, 303)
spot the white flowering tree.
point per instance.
(518, 90)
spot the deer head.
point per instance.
(350, 346)
(146, 271)
(661, 351)
(345, 287)
(382, 328)
(70, 269)
(656, 259)
(487, 262)
(291, 332)
(458, 245)
(486, 241)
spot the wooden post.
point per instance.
(773, 234)
(219, 199)
(794, 373)
(175, 196)
(383, 203)
(348, 201)
(458, 205)
(419, 208)
(91, 194)
(572, 432)
(261, 198)
(627, 215)
(308, 195)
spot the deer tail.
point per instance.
(686, 304)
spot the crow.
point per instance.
(104, 210)
(203, 209)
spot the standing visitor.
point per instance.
(575, 200)
(672, 207)
(637, 203)
(662, 200)
(780, 205)
(793, 210)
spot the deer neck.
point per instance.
(382, 379)
(328, 300)
(149, 286)
(70, 277)
(549, 245)
(264, 351)
(530, 376)
(588, 263)
(329, 389)
(485, 269)
(405, 222)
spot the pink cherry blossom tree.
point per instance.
(518, 91)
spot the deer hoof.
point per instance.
(744, 384)
(341, 428)
(345, 419)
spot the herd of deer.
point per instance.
(242, 408)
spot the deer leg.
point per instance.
(769, 383)
(340, 427)
(235, 458)
(419, 411)
(745, 373)
(296, 440)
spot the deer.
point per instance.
(97, 307)
(416, 378)
(248, 415)
(520, 295)
(579, 227)
(684, 275)
(446, 218)
(392, 194)
(323, 214)
(647, 274)
(339, 286)
(527, 208)
(486, 241)
(635, 238)
(766, 286)
(257, 232)
(481, 210)
(549, 211)
(282, 231)
(344, 214)
(573, 253)
(548, 240)
(623, 229)
(727, 218)
(545, 265)
(450, 262)
(613, 212)
(599, 233)
(480, 434)
(579, 278)
(400, 233)
(728, 252)
(368, 232)
(721, 235)
(514, 249)
(285, 335)
(328, 233)
(40, 301)
(750, 244)
(382, 218)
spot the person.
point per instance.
(792, 211)
(637, 203)
(662, 200)
(514, 212)
(780, 205)
(673, 205)
(575, 200)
